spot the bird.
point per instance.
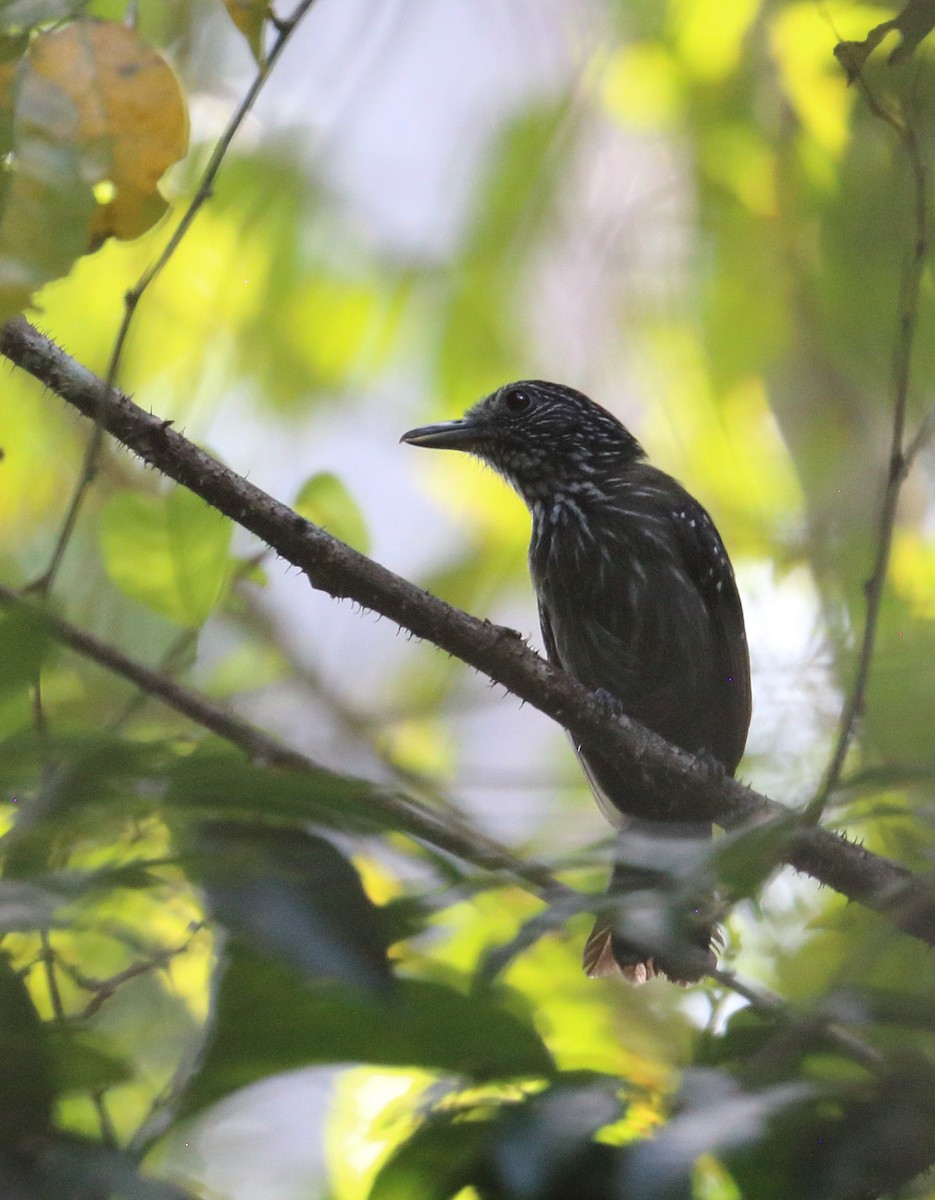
(637, 599)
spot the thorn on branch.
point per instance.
(868, 878)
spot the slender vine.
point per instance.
(900, 458)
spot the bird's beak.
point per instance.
(447, 435)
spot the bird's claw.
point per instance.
(713, 767)
(611, 705)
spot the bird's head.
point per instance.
(543, 438)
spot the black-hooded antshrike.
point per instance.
(637, 599)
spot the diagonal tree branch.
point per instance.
(444, 832)
(686, 784)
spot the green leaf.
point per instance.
(78, 1063)
(95, 788)
(537, 1148)
(884, 1138)
(24, 642)
(99, 765)
(715, 1115)
(217, 781)
(324, 500)
(556, 914)
(743, 860)
(544, 1144)
(30, 905)
(168, 552)
(746, 1034)
(26, 1093)
(437, 1162)
(296, 897)
(269, 1020)
(860, 1006)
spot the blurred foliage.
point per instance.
(178, 922)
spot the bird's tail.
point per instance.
(678, 936)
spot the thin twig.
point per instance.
(106, 1125)
(922, 437)
(685, 783)
(167, 667)
(899, 458)
(104, 989)
(47, 958)
(284, 31)
(770, 1005)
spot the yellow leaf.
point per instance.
(129, 121)
(249, 16)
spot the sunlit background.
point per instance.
(663, 205)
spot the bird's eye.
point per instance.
(517, 401)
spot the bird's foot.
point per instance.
(609, 702)
(713, 767)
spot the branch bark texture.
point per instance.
(681, 781)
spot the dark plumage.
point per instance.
(637, 599)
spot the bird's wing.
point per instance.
(611, 811)
(707, 563)
(649, 612)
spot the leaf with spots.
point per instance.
(131, 119)
(90, 118)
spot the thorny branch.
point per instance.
(901, 457)
(448, 833)
(685, 783)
